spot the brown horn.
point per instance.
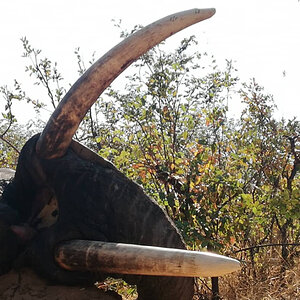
(58, 133)
(95, 256)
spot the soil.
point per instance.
(26, 285)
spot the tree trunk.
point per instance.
(215, 288)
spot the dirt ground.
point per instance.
(25, 285)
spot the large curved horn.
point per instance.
(95, 256)
(58, 133)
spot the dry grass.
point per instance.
(268, 282)
(267, 279)
(128, 292)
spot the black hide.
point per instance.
(95, 203)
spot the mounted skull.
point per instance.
(87, 197)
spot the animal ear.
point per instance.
(24, 232)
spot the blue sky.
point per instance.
(261, 37)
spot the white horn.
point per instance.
(62, 125)
(95, 256)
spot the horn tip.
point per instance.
(209, 12)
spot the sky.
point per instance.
(261, 37)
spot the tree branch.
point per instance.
(266, 245)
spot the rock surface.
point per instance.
(26, 285)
